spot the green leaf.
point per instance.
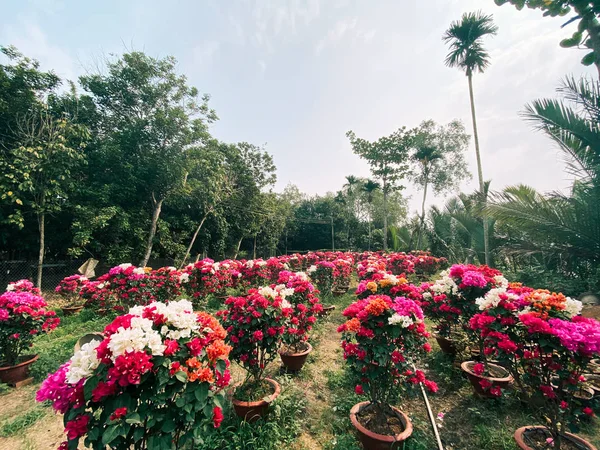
(168, 425)
(111, 433)
(133, 418)
(202, 392)
(89, 386)
(138, 433)
(181, 376)
(588, 59)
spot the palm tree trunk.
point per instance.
(42, 228)
(479, 171)
(254, 251)
(423, 210)
(385, 223)
(189, 249)
(155, 215)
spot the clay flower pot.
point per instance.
(71, 310)
(446, 345)
(374, 441)
(327, 310)
(294, 361)
(502, 382)
(14, 374)
(252, 411)
(522, 441)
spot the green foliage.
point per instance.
(22, 422)
(278, 429)
(587, 35)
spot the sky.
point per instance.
(296, 75)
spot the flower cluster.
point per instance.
(23, 286)
(305, 307)
(381, 340)
(255, 324)
(323, 275)
(23, 315)
(153, 360)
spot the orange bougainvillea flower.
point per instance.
(216, 350)
(207, 321)
(543, 300)
(377, 306)
(193, 363)
(353, 325)
(402, 280)
(205, 375)
(385, 282)
(372, 286)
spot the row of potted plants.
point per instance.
(531, 339)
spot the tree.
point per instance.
(563, 228)
(350, 191)
(467, 53)
(37, 174)
(147, 118)
(587, 35)
(369, 188)
(388, 158)
(439, 159)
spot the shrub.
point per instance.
(381, 340)
(23, 316)
(155, 381)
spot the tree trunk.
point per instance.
(155, 215)
(423, 210)
(370, 220)
(385, 224)
(237, 249)
(479, 171)
(254, 251)
(189, 249)
(40, 267)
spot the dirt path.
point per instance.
(326, 357)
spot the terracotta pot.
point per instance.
(446, 345)
(339, 293)
(294, 361)
(520, 439)
(20, 372)
(374, 441)
(327, 310)
(502, 382)
(593, 381)
(71, 310)
(252, 411)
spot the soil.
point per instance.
(536, 439)
(380, 421)
(253, 392)
(291, 350)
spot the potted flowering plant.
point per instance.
(255, 325)
(23, 286)
(381, 340)
(69, 288)
(23, 315)
(300, 293)
(342, 275)
(323, 274)
(557, 354)
(155, 381)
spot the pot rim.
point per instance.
(268, 400)
(32, 359)
(465, 367)
(521, 431)
(305, 352)
(408, 427)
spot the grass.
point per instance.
(22, 422)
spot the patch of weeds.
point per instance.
(494, 437)
(279, 428)
(57, 347)
(4, 388)
(19, 423)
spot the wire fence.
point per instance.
(54, 271)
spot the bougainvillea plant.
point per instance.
(381, 340)
(23, 316)
(323, 274)
(305, 308)
(70, 286)
(155, 381)
(255, 325)
(23, 286)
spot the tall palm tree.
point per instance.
(467, 53)
(425, 156)
(350, 189)
(369, 188)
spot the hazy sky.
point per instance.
(296, 75)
